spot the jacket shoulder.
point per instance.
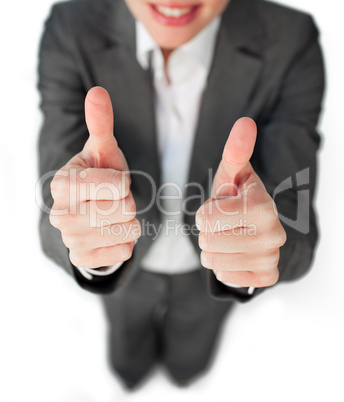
(81, 23)
(76, 14)
(281, 12)
(288, 31)
(283, 19)
(75, 9)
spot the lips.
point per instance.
(174, 14)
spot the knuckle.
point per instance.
(274, 277)
(203, 241)
(62, 221)
(132, 205)
(54, 187)
(268, 260)
(74, 221)
(126, 252)
(209, 216)
(72, 241)
(87, 259)
(206, 218)
(57, 217)
(270, 278)
(136, 228)
(216, 208)
(265, 209)
(59, 184)
(274, 207)
(92, 259)
(67, 240)
(275, 237)
(280, 236)
(275, 258)
(77, 259)
(207, 259)
(129, 208)
(54, 220)
(272, 258)
(268, 204)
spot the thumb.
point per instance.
(101, 146)
(236, 156)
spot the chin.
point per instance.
(171, 38)
(171, 43)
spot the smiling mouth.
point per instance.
(175, 14)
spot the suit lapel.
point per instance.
(231, 83)
(131, 89)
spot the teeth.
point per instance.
(173, 12)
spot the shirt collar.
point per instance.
(201, 47)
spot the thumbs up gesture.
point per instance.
(93, 206)
(240, 233)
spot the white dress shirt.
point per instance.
(177, 109)
(178, 99)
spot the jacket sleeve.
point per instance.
(62, 135)
(285, 160)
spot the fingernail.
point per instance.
(126, 251)
(219, 275)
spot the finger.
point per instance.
(248, 278)
(102, 257)
(235, 158)
(239, 146)
(117, 233)
(238, 240)
(90, 184)
(105, 213)
(91, 214)
(240, 261)
(101, 145)
(107, 236)
(225, 214)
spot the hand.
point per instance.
(93, 206)
(240, 233)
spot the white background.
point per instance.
(287, 345)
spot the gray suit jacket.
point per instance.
(267, 66)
